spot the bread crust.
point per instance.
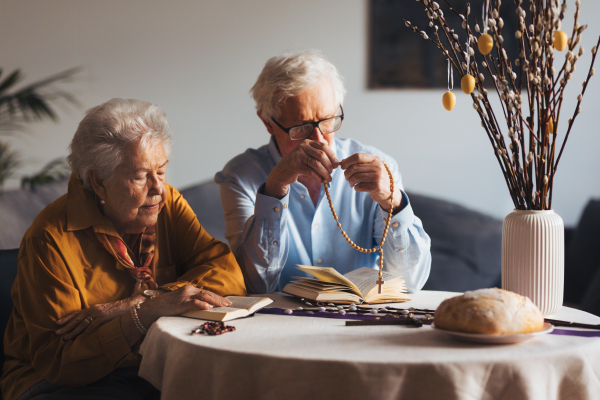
(490, 311)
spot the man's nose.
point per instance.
(316, 135)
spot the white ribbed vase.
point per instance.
(533, 257)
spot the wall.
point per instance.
(198, 59)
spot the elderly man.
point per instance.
(273, 198)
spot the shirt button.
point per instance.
(395, 224)
(302, 196)
(276, 209)
(315, 226)
(285, 205)
(275, 243)
(401, 250)
(319, 261)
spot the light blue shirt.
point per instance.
(270, 236)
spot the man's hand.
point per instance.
(310, 158)
(366, 173)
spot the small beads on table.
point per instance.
(404, 312)
(288, 311)
(373, 311)
(213, 328)
(342, 312)
(322, 309)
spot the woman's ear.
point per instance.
(97, 184)
(268, 125)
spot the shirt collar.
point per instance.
(82, 211)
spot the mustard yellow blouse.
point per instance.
(61, 270)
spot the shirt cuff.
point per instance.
(401, 221)
(268, 207)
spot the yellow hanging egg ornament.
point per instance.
(467, 83)
(550, 126)
(449, 100)
(560, 40)
(485, 43)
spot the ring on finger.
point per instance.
(89, 320)
(308, 161)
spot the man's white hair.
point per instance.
(288, 75)
(106, 131)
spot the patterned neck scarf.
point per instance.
(117, 248)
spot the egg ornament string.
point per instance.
(449, 99)
(467, 83)
(380, 280)
(485, 42)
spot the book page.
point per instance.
(329, 274)
(365, 278)
(243, 302)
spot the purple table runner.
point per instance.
(369, 317)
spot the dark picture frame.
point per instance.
(399, 58)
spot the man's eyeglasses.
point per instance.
(301, 132)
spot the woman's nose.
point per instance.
(156, 186)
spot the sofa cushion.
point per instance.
(205, 200)
(466, 245)
(18, 209)
(582, 256)
(8, 272)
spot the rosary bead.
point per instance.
(288, 311)
(387, 225)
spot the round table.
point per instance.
(288, 357)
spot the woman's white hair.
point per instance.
(106, 131)
(290, 74)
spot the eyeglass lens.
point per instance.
(326, 126)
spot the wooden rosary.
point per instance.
(380, 281)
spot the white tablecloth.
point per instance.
(287, 357)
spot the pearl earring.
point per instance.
(102, 201)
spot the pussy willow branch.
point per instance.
(530, 166)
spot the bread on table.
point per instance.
(489, 311)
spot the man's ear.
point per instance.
(268, 124)
(97, 184)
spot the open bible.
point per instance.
(358, 286)
(241, 306)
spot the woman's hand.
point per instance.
(179, 301)
(170, 303)
(77, 322)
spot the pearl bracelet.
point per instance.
(136, 318)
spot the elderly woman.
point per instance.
(275, 211)
(121, 245)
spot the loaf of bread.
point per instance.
(489, 311)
